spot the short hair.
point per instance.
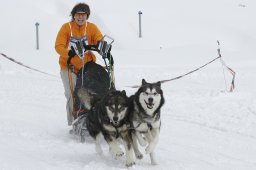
(80, 7)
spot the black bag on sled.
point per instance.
(94, 77)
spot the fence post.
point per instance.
(140, 34)
(37, 36)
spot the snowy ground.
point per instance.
(203, 125)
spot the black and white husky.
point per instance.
(94, 78)
(145, 117)
(109, 116)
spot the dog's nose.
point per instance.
(150, 100)
(115, 118)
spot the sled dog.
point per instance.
(144, 117)
(109, 116)
(95, 78)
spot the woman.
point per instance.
(77, 28)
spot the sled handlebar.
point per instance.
(86, 48)
(103, 47)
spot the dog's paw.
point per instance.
(119, 153)
(129, 163)
(99, 150)
(154, 163)
(139, 156)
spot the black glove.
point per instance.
(85, 46)
(102, 47)
(71, 54)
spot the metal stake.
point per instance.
(140, 34)
(37, 36)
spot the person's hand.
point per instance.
(84, 45)
(71, 54)
(102, 45)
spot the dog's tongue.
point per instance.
(150, 106)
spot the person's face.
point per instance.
(80, 18)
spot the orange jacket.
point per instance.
(62, 41)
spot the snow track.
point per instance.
(202, 127)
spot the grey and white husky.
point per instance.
(109, 116)
(145, 120)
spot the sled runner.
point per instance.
(91, 76)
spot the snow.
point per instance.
(203, 125)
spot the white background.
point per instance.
(203, 125)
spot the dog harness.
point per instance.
(142, 120)
(121, 124)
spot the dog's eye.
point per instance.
(146, 93)
(121, 108)
(155, 94)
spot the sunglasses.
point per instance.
(80, 14)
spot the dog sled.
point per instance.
(99, 79)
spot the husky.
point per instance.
(95, 78)
(145, 106)
(109, 117)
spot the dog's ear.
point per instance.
(123, 92)
(111, 92)
(143, 82)
(158, 84)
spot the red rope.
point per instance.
(233, 73)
